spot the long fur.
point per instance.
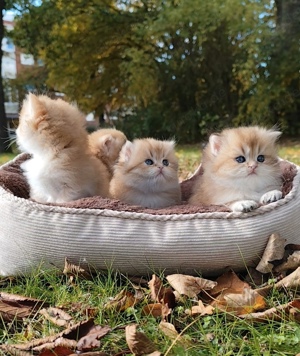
(152, 186)
(241, 186)
(106, 144)
(62, 167)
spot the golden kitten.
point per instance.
(241, 169)
(106, 144)
(147, 174)
(62, 168)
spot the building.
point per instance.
(13, 62)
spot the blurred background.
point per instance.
(168, 68)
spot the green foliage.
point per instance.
(169, 68)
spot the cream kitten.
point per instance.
(62, 168)
(147, 174)
(106, 145)
(241, 169)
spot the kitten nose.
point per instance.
(252, 165)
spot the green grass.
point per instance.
(220, 334)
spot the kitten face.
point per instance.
(152, 160)
(245, 154)
(147, 174)
(241, 169)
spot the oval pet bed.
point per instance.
(104, 233)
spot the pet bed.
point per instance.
(104, 233)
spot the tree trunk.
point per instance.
(288, 16)
(4, 137)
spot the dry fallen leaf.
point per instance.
(121, 301)
(289, 311)
(169, 330)
(292, 262)
(91, 339)
(229, 282)
(66, 338)
(240, 303)
(200, 309)
(71, 270)
(156, 288)
(16, 307)
(157, 310)
(57, 316)
(189, 285)
(273, 251)
(161, 294)
(290, 281)
(138, 342)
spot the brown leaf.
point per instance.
(16, 307)
(72, 334)
(156, 310)
(229, 282)
(240, 303)
(273, 251)
(160, 294)
(156, 288)
(290, 281)
(289, 311)
(121, 301)
(292, 262)
(11, 350)
(91, 340)
(72, 270)
(59, 350)
(65, 345)
(138, 342)
(57, 316)
(91, 353)
(200, 309)
(189, 285)
(169, 330)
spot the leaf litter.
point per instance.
(229, 293)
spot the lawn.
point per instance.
(115, 301)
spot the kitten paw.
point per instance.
(243, 206)
(271, 196)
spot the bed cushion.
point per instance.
(105, 233)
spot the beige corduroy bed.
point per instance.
(105, 233)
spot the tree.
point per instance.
(178, 68)
(4, 137)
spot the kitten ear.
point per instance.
(126, 152)
(274, 135)
(171, 144)
(106, 142)
(33, 107)
(215, 142)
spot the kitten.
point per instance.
(147, 174)
(62, 168)
(106, 145)
(241, 169)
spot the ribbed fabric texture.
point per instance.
(33, 235)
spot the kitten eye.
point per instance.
(149, 162)
(165, 162)
(240, 159)
(260, 158)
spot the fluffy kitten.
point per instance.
(106, 144)
(147, 174)
(62, 168)
(241, 169)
